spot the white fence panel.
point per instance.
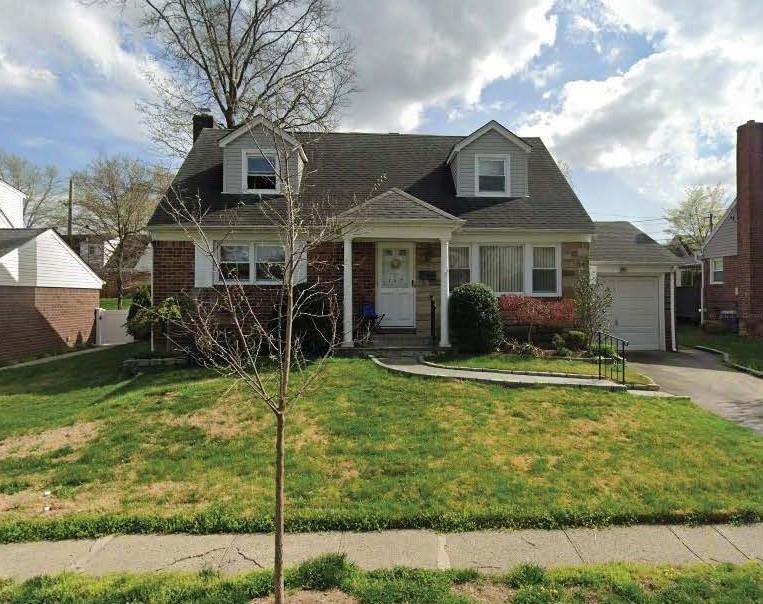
(110, 327)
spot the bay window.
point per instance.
(502, 268)
(544, 271)
(458, 262)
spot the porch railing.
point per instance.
(610, 353)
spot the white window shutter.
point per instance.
(203, 267)
(300, 271)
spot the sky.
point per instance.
(640, 99)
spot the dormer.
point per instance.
(11, 207)
(260, 159)
(490, 162)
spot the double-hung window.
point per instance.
(502, 268)
(260, 171)
(491, 175)
(458, 262)
(235, 262)
(251, 263)
(716, 270)
(544, 270)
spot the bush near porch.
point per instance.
(180, 451)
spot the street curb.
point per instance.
(727, 361)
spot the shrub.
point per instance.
(558, 342)
(523, 349)
(475, 318)
(563, 351)
(576, 340)
(137, 327)
(603, 350)
(593, 300)
(537, 312)
(314, 323)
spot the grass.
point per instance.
(526, 584)
(743, 351)
(111, 303)
(181, 451)
(499, 360)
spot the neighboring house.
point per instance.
(489, 207)
(48, 295)
(732, 256)
(95, 250)
(689, 274)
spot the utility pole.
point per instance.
(69, 217)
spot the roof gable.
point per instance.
(396, 204)
(494, 126)
(728, 215)
(261, 121)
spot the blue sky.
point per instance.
(640, 99)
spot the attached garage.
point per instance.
(640, 273)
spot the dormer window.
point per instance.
(492, 173)
(260, 171)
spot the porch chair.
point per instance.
(366, 322)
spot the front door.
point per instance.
(395, 295)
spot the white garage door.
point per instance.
(635, 313)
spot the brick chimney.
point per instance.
(203, 119)
(750, 227)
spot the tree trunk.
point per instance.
(278, 583)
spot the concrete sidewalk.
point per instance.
(488, 551)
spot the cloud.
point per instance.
(670, 119)
(16, 77)
(540, 76)
(415, 54)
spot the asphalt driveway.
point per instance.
(702, 376)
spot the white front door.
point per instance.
(395, 294)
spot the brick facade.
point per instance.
(41, 320)
(173, 269)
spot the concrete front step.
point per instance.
(397, 352)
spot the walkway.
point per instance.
(488, 551)
(413, 367)
(712, 385)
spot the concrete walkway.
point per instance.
(712, 385)
(488, 551)
(413, 367)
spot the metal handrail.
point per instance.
(432, 322)
(615, 370)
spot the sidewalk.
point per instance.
(487, 551)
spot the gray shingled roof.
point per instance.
(624, 243)
(399, 205)
(10, 239)
(344, 167)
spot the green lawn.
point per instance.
(111, 303)
(499, 360)
(526, 584)
(744, 351)
(181, 451)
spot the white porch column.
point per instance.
(444, 292)
(347, 301)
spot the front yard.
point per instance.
(744, 351)
(181, 451)
(499, 360)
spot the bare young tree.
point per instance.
(40, 185)
(593, 300)
(693, 218)
(285, 58)
(277, 358)
(115, 198)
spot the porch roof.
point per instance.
(396, 205)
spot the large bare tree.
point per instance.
(40, 185)
(693, 218)
(285, 58)
(115, 197)
(276, 358)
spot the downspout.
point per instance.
(673, 309)
(701, 259)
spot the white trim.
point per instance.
(661, 310)
(444, 293)
(13, 189)
(712, 270)
(496, 127)
(245, 153)
(506, 174)
(262, 121)
(73, 255)
(347, 339)
(411, 247)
